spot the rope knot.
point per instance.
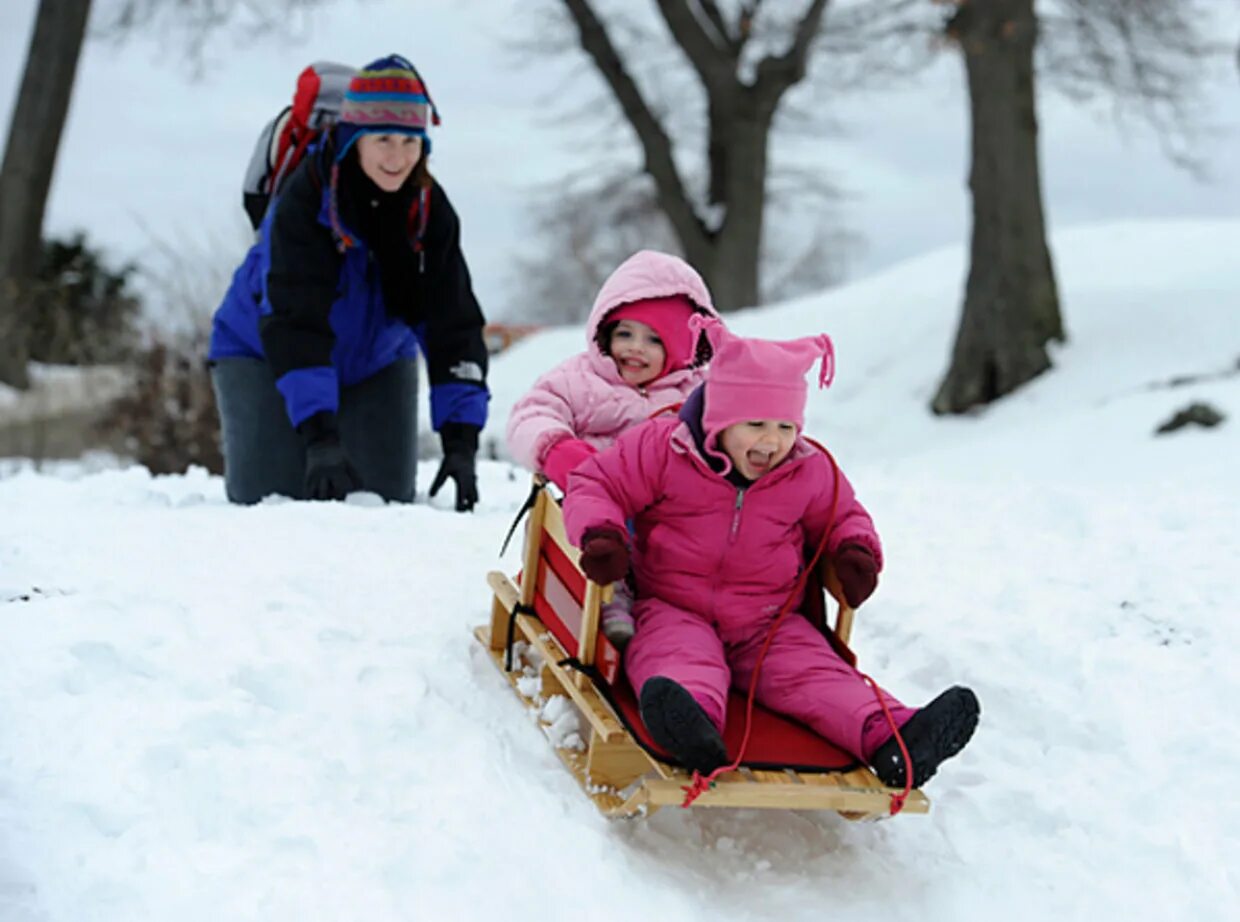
(698, 786)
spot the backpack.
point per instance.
(283, 142)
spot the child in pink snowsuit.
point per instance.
(726, 498)
(640, 357)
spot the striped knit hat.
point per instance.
(387, 96)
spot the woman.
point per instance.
(358, 266)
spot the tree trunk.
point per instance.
(26, 174)
(1011, 305)
(731, 267)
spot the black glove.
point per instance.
(329, 472)
(460, 444)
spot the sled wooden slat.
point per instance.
(588, 701)
(768, 777)
(619, 776)
(608, 801)
(783, 795)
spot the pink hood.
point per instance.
(584, 397)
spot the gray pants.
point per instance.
(263, 454)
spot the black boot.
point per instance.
(678, 724)
(933, 735)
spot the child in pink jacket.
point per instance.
(640, 357)
(727, 498)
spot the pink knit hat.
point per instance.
(759, 378)
(669, 318)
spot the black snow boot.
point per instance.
(933, 735)
(678, 724)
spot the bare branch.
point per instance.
(197, 22)
(778, 72)
(656, 145)
(1147, 56)
(725, 36)
(715, 65)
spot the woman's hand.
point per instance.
(460, 445)
(329, 472)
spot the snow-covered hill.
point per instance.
(277, 713)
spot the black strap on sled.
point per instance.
(519, 609)
(588, 671)
(521, 513)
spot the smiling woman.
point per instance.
(357, 269)
(388, 159)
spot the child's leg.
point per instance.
(804, 678)
(683, 647)
(676, 663)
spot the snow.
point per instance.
(279, 712)
(58, 389)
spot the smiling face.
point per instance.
(637, 351)
(388, 159)
(759, 445)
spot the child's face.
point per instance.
(637, 351)
(758, 445)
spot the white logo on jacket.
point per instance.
(466, 371)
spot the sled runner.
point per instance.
(544, 636)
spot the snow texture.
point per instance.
(279, 713)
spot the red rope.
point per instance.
(897, 800)
(699, 784)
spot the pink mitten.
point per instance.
(563, 456)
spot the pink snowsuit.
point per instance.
(584, 397)
(714, 563)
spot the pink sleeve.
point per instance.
(562, 459)
(614, 485)
(851, 525)
(542, 417)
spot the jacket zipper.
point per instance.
(736, 515)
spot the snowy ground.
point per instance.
(277, 713)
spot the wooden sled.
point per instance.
(551, 615)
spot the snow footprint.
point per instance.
(98, 663)
(275, 687)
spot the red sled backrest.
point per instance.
(560, 593)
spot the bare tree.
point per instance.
(39, 118)
(745, 58)
(26, 173)
(1142, 54)
(588, 228)
(589, 225)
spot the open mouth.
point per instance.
(759, 461)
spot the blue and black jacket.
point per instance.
(325, 319)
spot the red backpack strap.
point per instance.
(415, 223)
(297, 134)
(309, 83)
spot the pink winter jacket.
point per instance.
(704, 545)
(584, 397)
